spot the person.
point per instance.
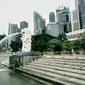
(33, 58)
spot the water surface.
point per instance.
(9, 77)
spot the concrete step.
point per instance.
(78, 67)
(4, 61)
(72, 70)
(69, 71)
(62, 62)
(46, 76)
(68, 57)
(69, 74)
(57, 76)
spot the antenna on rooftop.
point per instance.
(62, 6)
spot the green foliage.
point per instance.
(54, 45)
(75, 45)
(20, 44)
(67, 45)
(39, 42)
(62, 37)
(82, 44)
(2, 36)
(16, 45)
(82, 41)
(44, 42)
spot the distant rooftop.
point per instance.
(61, 8)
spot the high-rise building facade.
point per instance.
(63, 17)
(51, 17)
(39, 23)
(78, 20)
(80, 7)
(62, 14)
(13, 28)
(23, 25)
(54, 29)
(74, 21)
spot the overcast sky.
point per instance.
(14, 11)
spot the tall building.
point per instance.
(51, 17)
(78, 20)
(80, 7)
(23, 25)
(63, 14)
(74, 21)
(39, 24)
(63, 17)
(54, 29)
(13, 28)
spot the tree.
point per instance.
(2, 36)
(20, 44)
(54, 45)
(62, 37)
(82, 41)
(16, 46)
(82, 44)
(75, 45)
(67, 45)
(41, 45)
(39, 42)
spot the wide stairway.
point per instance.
(63, 70)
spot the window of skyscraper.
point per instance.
(65, 28)
(67, 18)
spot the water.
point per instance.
(9, 77)
(8, 37)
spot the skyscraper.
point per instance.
(63, 14)
(51, 17)
(75, 25)
(54, 29)
(63, 17)
(23, 25)
(39, 23)
(13, 28)
(80, 7)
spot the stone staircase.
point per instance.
(4, 61)
(63, 70)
